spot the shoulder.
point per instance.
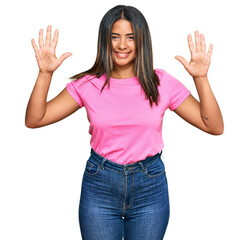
(169, 81)
(163, 75)
(81, 82)
(89, 83)
(159, 72)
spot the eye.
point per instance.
(114, 37)
(131, 38)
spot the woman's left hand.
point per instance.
(200, 60)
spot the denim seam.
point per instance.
(122, 171)
(151, 162)
(125, 188)
(131, 194)
(89, 163)
(151, 176)
(94, 174)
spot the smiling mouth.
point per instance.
(122, 54)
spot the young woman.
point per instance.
(124, 188)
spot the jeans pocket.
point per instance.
(156, 168)
(92, 168)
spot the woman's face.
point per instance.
(123, 44)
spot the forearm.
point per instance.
(36, 108)
(210, 111)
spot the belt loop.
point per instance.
(142, 166)
(102, 163)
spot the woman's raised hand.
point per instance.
(45, 54)
(200, 60)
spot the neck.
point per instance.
(123, 72)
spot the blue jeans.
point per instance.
(129, 202)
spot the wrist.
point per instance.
(200, 79)
(45, 74)
(44, 77)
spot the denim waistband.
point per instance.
(121, 167)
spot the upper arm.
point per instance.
(189, 110)
(58, 108)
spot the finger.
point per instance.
(191, 44)
(48, 36)
(55, 38)
(197, 41)
(183, 61)
(63, 57)
(210, 50)
(41, 42)
(34, 45)
(203, 44)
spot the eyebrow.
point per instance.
(128, 34)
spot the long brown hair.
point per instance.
(143, 63)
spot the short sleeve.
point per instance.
(72, 89)
(177, 92)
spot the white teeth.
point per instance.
(122, 53)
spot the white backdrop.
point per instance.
(41, 169)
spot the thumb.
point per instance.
(182, 60)
(64, 56)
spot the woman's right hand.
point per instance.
(45, 54)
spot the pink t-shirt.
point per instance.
(123, 127)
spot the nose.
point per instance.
(122, 44)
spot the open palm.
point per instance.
(200, 60)
(45, 54)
